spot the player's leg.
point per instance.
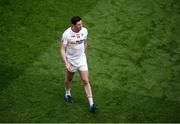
(85, 79)
(87, 86)
(69, 77)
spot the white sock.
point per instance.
(68, 92)
(90, 100)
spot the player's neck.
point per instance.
(74, 29)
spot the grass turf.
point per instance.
(133, 58)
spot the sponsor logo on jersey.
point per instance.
(79, 41)
(76, 42)
(72, 42)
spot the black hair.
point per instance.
(75, 19)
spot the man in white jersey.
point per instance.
(73, 52)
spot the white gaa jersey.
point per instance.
(75, 44)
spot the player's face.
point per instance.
(79, 25)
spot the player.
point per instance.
(73, 53)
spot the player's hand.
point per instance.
(68, 67)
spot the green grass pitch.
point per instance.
(133, 59)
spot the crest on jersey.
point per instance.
(78, 35)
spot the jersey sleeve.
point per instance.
(64, 38)
(86, 34)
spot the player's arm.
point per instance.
(85, 47)
(85, 42)
(63, 55)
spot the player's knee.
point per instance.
(85, 81)
(68, 80)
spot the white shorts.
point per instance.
(79, 64)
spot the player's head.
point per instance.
(77, 22)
